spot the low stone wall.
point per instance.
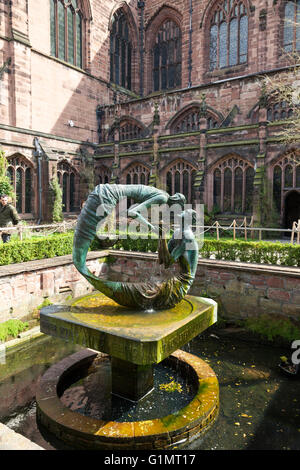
(241, 289)
(24, 286)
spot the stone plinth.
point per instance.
(135, 339)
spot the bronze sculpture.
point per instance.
(184, 249)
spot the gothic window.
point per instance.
(120, 51)
(67, 178)
(167, 57)
(291, 28)
(279, 111)
(129, 130)
(190, 122)
(66, 23)
(180, 178)
(233, 186)
(102, 175)
(286, 176)
(21, 178)
(228, 34)
(137, 174)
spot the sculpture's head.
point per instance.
(177, 198)
(188, 215)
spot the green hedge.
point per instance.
(283, 254)
(33, 249)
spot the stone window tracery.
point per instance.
(233, 185)
(102, 175)
(286, 176)
(279, 111)
(21, 178)
(128, 130)
(120, 51)
(190, 122)
(228, 33)
(180, 178)
(137, 174)
(66, 31)
(167, 57)
(68, 180)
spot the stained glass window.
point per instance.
(167, 57)
(228, 35)
(120, 51)
(66, 31)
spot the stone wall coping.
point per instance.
(41, 264)
(220, 264)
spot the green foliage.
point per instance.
(45, 303)
(273, 328)
(33, 249)
(57, 205)
(282, 254)
(11, 328)
(5, 186)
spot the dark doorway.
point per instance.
(291, 209)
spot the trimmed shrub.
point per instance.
(281, 254)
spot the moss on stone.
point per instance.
(273, 328)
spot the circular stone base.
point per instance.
(82, 432)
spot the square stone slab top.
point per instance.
(140, 337)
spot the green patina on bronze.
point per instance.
(182, 247)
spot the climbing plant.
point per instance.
(57, 198)
(5, 185)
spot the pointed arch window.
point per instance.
(137, 174)
(180, 178)
(190, 122)
(66, 31)
(20, 174)
(286, 176)
(228, 35)
(167, 57)
(291, 28)
(120, 51)
(102, 175)
(279, 111)
(128, 130)
(68, 180)
(233, 180)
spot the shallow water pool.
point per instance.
(259, 406)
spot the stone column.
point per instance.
(259, 179)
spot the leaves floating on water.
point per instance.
(171, 387)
